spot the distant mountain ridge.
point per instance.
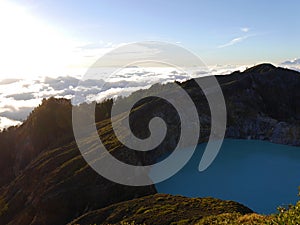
(261, 68)
(44, 179)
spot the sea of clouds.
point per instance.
(19, 96)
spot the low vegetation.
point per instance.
(177, 210)
(161, 209)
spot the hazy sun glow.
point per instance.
(30, 47)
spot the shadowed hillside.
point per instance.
(51, 182)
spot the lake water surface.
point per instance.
(258, 174)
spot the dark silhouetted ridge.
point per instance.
(261, 68)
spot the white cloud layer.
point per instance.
(19, 96)
(293, 64)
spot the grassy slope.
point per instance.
(289, 216)
(163, 209)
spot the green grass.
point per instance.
(290, 216)
(178, 210)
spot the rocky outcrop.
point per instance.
(264, 104)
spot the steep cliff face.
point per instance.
(264, 104)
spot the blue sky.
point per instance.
(59, 39)
(219, 32)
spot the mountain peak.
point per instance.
(261, 68)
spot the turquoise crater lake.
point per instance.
(258, 174)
